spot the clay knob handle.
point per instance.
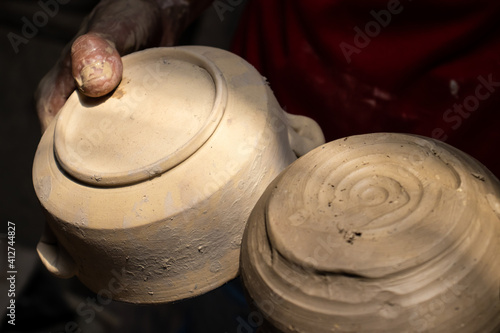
(55, 258)
(304, 134)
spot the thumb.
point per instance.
(96, 64)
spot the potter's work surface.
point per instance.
(167, 105)
(377, 233)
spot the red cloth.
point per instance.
(421, 67)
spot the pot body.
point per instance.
(176, 232)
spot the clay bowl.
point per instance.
(147, 190)
(377, 233)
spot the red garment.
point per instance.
(424, 67)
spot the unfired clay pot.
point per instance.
(377, 233)
(147, 191)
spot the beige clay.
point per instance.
(154, 184)
(377, 233)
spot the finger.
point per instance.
(96, 65)
(53, 91)
(115, 28)
(130, 25)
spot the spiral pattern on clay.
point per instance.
(373, 192)
(369, 192)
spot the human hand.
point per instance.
(92, 63)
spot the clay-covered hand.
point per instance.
(92, 63)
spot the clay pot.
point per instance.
(377, 233)
(147, 191)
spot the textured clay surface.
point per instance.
(153, 184)
(377, 233)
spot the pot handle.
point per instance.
(304, 134)
(55, 257)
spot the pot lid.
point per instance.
(169, 102)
